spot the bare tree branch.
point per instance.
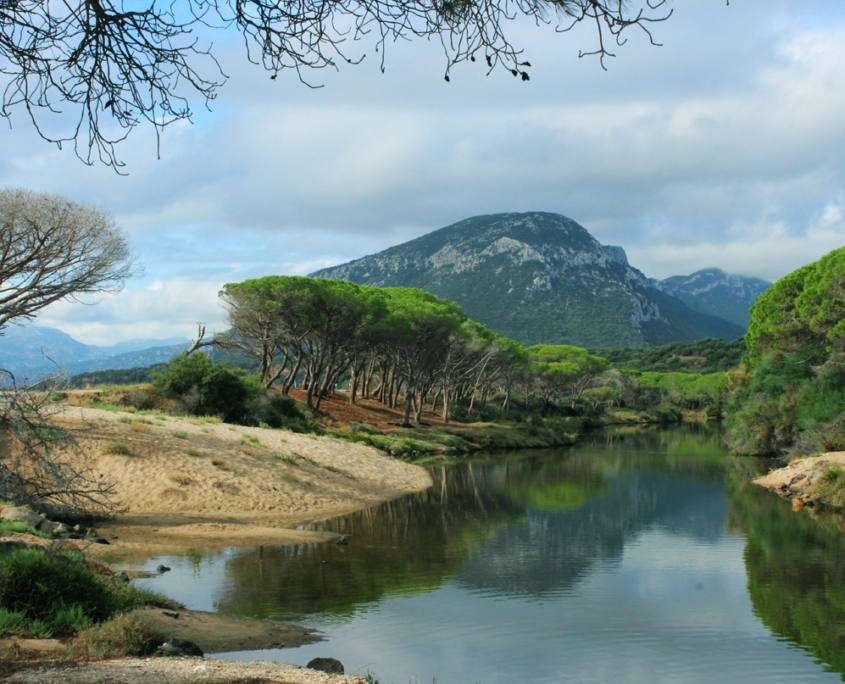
(99, 68)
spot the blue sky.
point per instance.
(725, 147)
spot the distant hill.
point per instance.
(714, 292)
(36, 351)
(538, 278)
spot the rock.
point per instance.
(9, 543)
(47, 527)
(797, 478)
(175, 616)
(342, 541)
(180, 647)
(91, 532)
(328, 665)
(62, 530)
(122, 577)
(22, 514)
(797, 504)
(98, 540)
(162, 569)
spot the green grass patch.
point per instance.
(249, 440)
(124, 419)
(180, 435)
(10, 526)
(115, 448)
(45, 594)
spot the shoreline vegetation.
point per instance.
(350, 382)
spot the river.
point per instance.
(640, 556)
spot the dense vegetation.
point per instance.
(711, 355)
(406, 347)
(789, 393)
(46, 594)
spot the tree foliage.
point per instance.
(101, 67)
(51, 249)
(793, 380)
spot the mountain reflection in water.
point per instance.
(621, 560)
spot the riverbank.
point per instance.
(183, 482)
(814, 481)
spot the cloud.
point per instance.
(727, 139)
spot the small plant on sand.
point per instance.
(287, 458)
(145, 421)
(249, 440)
(225, 486)
(180, 478)
(124, 419)
(180, 435)
(190, 451)
(206, 430)
(140, 427)
(115, 449)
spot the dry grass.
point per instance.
(180, 478)
(140, 427)
(126, 634)
(220, 463)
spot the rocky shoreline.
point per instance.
(808, 482)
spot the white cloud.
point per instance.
(723, 148)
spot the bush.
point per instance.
(279, 412)
(54, 593)
(115, 448)
(205, 388)
(127, 634)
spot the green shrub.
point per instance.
(180, 435)
(205, 388)
(279, 412)
(115, 448)
(364, 428)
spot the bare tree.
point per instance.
(40, 463)
(52, 249)
(105, 66)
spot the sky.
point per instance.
(724, 147)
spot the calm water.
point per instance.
(638, 557)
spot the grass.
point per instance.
(140, 427)
(124, 419)
(226, 486)
(287, 458)
(190, 451)
(10, 526)
(180, 435)
(114, 408)
(180, 478)
(205, 430)
(115, 448)
(220, 463)
(127, 634)
(249, 440)
(47, 593)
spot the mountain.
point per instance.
(538, 278)
(714, 292)
(36, 351)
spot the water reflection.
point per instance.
(796, 568)
(642, 555)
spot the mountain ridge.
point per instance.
(537, 277)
